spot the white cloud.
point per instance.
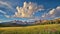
(2, 12)
(6, 4)
(52, 13)
(7, 16)
(27, 10)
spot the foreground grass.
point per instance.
(38, 29)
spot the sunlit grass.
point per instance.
(38, 29)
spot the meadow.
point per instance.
(37, 29)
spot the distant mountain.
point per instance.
(16, 23)
(21, 23)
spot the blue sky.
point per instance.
(46, 9)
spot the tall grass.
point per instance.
(39, 29)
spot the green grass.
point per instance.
(38, 29)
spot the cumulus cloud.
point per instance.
(52, 13)
(27, 10)
(57, 11)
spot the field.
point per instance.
(37, 29)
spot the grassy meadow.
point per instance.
(37, 29)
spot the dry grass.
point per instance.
(38, 29)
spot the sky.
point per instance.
(29, 10)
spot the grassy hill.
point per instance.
(38, 29)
